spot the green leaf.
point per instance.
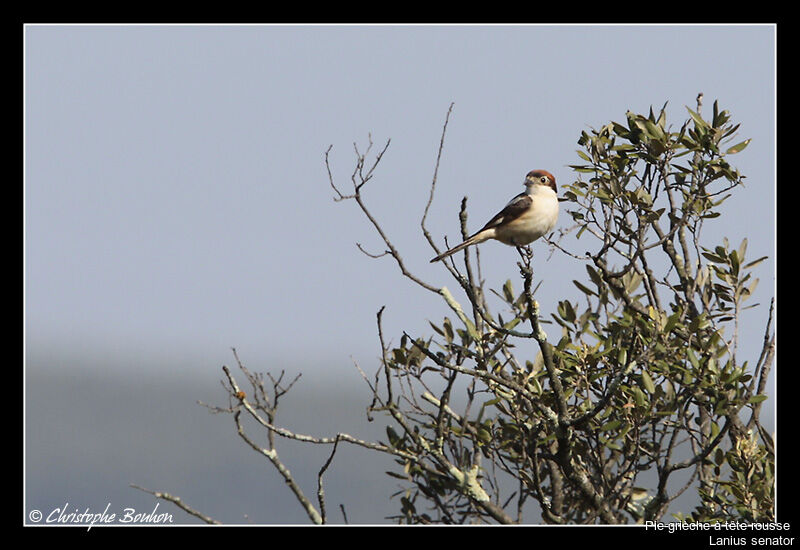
(448, 329)
(692, 358)
(399, 356)
(672, 322)
(742, 249)
(639, 397)
(393, 437)
(484, 435)
(614, 424)
(754, 262)
(738, 147)
(566, 311)
(734, 258)
(492, 402)
(471, 330)
(631, 280)
(653, 130)
(437, 329)
(720, 117)
(717, 259)
(749, 290)
(584, 289)
(757, 399)
(508, 291)
(698, 323)
(698, 120)
(648, 383)
(594, 275)
(512, 323)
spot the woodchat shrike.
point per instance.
(524, 219)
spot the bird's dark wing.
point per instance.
(513, 210)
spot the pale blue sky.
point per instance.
(168, 168)
(177, 204)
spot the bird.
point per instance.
(524, 219)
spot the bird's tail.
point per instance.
(475, 239)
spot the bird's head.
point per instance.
(540, 177)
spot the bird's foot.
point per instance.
(526, 254)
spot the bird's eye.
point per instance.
(543, 179)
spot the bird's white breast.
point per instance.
(539, 220)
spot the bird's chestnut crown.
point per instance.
(541, 177)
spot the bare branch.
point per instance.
(425, 231)
(272, 456)
(179, 503)
(359, 179)
(320, 490)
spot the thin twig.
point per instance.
(359, 179)
(425, 231)
(179, 503)
(320, 490)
